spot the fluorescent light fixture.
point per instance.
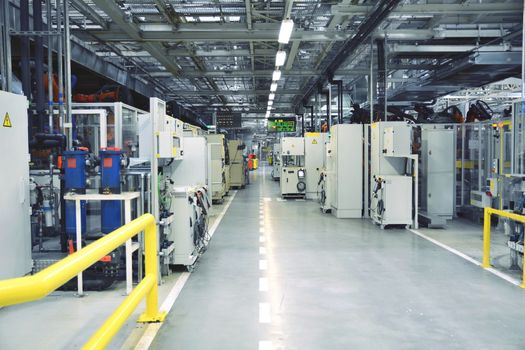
(280, 58)
(270, 103)
(267, 114)
(271, 96)
(276, 75)
(273, 87)
(286, 31)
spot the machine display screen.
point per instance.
(281, 124)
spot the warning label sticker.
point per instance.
(7, 121)
(314, 142)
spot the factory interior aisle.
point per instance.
(281, 275)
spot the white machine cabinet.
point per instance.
(392, 204)
(437, 175)
(15, 233)
(276, 171)
(217, 165)
(345, 170)
(314, 159)
(193, 170)
(292, 146)
(187, 215)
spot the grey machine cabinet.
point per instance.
(345, 170)
(437, 175)
(15, 233)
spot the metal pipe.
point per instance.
(339, 84)
(329, 106)
(371, 102)
(311, 107)
(39, 63)
(24, 53)
(523, 61)
(60, 56)
(49, 66)
(67, 59)
(3, 28)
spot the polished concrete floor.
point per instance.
(281, 275)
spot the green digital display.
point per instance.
(281, 124)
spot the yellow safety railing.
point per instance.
(488, 212)
(30, 288)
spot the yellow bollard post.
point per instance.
(486, 238)
(152, 313)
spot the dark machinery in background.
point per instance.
(108, 93)
(426, 114)
(479, 111)
(362, 115)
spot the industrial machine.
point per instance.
(15, 237)
(238, 164)
(190, 206)
(393, 172)
(193, 171)
(293, 172)
(437, 177)
(217, 154)
(314, 160)
(276, 157)
(345, 170)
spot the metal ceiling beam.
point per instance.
(117, 35)
(233, 92)
(131, 30)
(89, 12)
(437, 9)
(293, 53)
(258, 73)
(221, 53)
(398, 48)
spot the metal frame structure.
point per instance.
(218, 57)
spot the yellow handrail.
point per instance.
(30, 288)
(486, 235)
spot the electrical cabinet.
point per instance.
(392, 162)
(189, 229)
(396, 140)
(238, 165)
(314, 159)
(276, 171)
(293, 181)
(292, 146)
(217, 166)
(437, 175)
(345, 170)
(168, 136)
(389, 144)
(293, 174)
(15, 235)
(193, 171)
(392, 200)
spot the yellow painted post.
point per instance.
(486, 238)
(152, 313)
